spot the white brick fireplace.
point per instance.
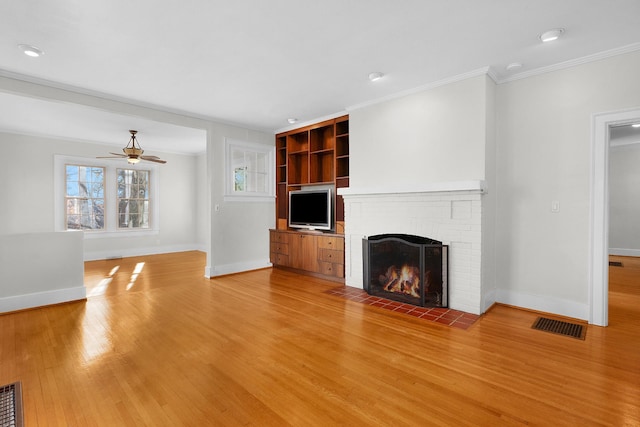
(449, 212)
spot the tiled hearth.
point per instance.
(445, 316)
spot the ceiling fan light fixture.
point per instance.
(133, 152)
(551, 35)
(133, 149)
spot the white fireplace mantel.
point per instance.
(473, 186)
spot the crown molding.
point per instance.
(572, 63)
(453, 79)
(310, 122)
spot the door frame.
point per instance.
(599, 215)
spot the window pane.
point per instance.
(72, 189)
(237, 157)
(133, 195)
(72, 173)
(73, 222)
(84, 203)
(261, 182)
(123, 220)
(97, 190)
(239, 180)
(261, 166)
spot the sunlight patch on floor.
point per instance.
(135, 274)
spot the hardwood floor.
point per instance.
(166, 347)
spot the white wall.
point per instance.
(543, 155)
(239, 230)
(40, 269)
(624, 200)
(433, 136)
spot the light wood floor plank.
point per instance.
(156, 344)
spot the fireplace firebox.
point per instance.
(406, 268)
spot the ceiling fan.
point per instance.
(133, 152)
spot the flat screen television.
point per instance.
(311, 209)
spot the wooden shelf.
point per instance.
(313, 155)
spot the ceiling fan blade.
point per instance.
(118, 154)
(107, 157)
(153, 159)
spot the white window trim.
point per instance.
(230, 195)
(110, 196)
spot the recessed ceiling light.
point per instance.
(551, 35)
(513, 66)
(635, 125)
(374, 77)
(31, 51)
(292, 120)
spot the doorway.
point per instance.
(599, 239)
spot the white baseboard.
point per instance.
(239, 267)
(624, 252)
(129, 252)
(489, 299)
(38, 299)
(544, 304)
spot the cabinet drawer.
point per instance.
(331, 255)
(330, 269)
(280, 248)
(279, 259)
(279, 237)
(331, 243)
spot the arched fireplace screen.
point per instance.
(405, 268)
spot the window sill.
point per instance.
(118, 234)
(248, 198)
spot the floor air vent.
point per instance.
(572, 330)
(615, 264)
(11, 405)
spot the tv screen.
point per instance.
(311, 209)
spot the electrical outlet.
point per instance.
(555, 206)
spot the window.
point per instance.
(105, 200)
(249, 171)
(84, 199)
(133, 198)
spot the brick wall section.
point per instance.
(453, 218)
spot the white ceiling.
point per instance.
(257, 63)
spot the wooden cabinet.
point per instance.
(319, 255)
(279, 248)
(304, 250)
(312, 155)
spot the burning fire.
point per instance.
(405, 280)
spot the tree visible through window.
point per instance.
(84, 199)
(133, 198)
(249, 169)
